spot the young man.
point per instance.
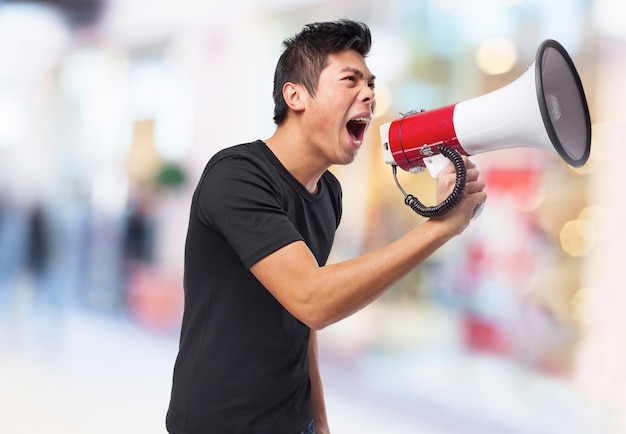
(261, 227)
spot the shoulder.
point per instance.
(332, 184)
(235, 179)
(243, 161)
(251, 152)
(242, 170)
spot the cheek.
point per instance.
(329, 117)
(329, 112)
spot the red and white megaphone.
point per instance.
(544, 108)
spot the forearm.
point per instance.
(346, 287)
(320, 296)
(336, 291)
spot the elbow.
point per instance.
(313, 309)
(316, 319)
(317, 325)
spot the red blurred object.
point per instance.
(155, 300)
(519, 183)
(486, 335)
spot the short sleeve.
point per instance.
(239, 197)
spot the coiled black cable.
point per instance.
(455, 196)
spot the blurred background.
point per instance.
(109, 110)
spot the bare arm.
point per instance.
(320, 296)
(317, 391)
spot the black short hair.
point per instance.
(306, 55)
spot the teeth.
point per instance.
(361, 120)
(357, 132)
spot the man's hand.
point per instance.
(474, 196)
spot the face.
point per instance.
(341, 110)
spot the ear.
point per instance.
(295, 96)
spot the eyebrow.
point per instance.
(359, 73)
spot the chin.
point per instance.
(349, 158)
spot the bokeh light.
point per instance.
(496, 56)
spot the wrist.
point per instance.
(441, 229)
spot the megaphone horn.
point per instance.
(544, 108)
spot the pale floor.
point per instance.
(95, 374)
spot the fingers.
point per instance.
(473, 183)
(474, 187)
(472, 171)
(477, 186)
(472, 174)
(468, 163)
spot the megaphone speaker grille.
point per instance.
(562, 103)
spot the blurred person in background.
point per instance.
(262, 223)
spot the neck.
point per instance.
(294, 152)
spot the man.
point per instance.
(261, 227)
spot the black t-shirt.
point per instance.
(242, 365)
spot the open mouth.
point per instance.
(356, 128)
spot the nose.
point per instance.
(367, 95)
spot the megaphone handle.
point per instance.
(455, 196)
(435, 164)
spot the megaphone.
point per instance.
(544, 108)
